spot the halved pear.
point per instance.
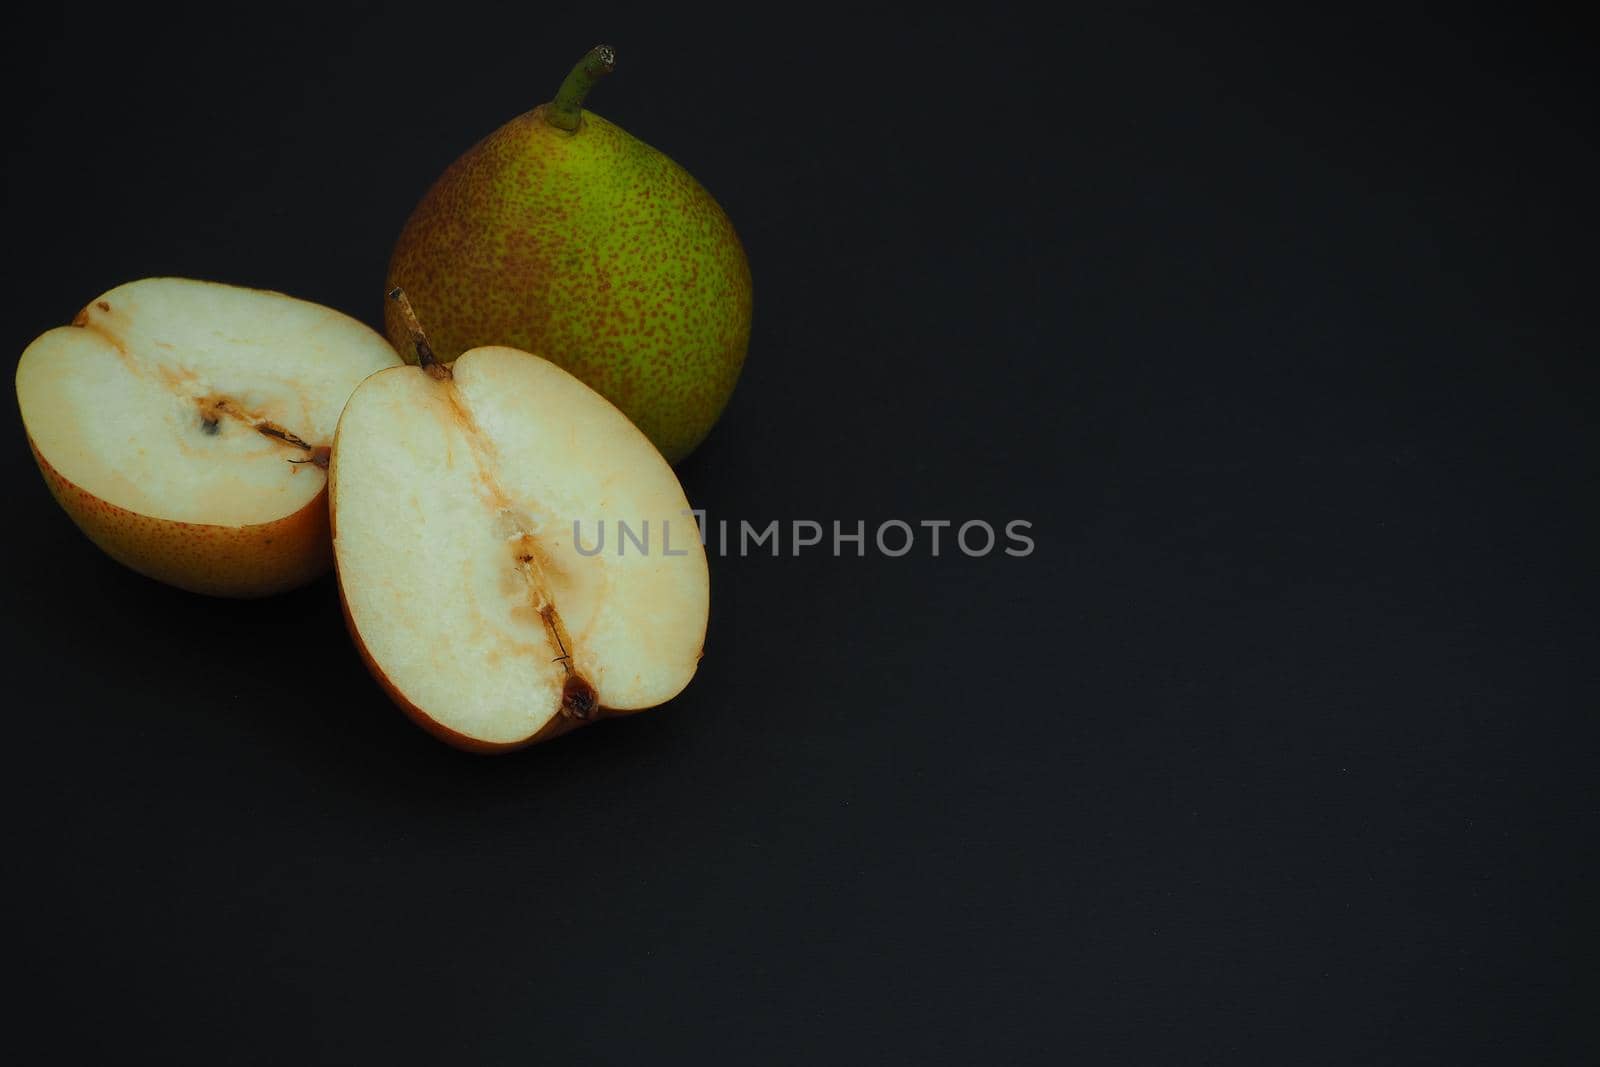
(468, 507)
(185, 427)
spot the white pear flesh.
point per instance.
(454, 502)
(184, 425)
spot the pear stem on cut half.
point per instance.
(566, 109)
(425, 357)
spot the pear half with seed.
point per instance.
(514, 556)
(185, 427)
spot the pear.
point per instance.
(185, 426)
(562, 235)
(514, 558)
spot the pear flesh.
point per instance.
(467, 508)
(185, 425)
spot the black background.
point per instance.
(1280, 745)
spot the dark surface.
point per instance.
(1281, 746)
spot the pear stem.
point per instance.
(566, 109)
(425, 357)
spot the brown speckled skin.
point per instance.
(591, 249)
(231, 561)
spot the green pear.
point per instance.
(561, 234)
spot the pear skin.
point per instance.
(592, 249)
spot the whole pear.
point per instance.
(561, 234)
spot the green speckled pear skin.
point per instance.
(594, 250)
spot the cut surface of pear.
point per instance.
(185, 427)
(454, 502)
